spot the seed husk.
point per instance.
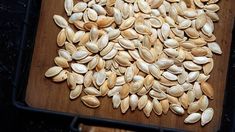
(191, 66)
(129, 34)
(53, 71)
(184, 100)
(88, 79)
(148, 81)
(60, 21)
(92, 91)
(114, 91)
(177, 109)
(133, 102)
(127, 44)
(116, 100)
(112, 80)
(136, 86)
(207, 116)
(197, 90)
(103, 22)
(99, 9)
(129, 74)
(103, 41)
(165, 105)
(79, 79)
(62, 62)
(193, 118)
(79, 68)
(215, 48)
(207, 89)
(142, 102)
(203, 102)
(146, 55)
(125, 103)
(175, 91)
(198, 51)
(62, 76)
(169, 76)
(124, 92)
(90, 101)
(92, 15)
(61, 38)
(148, 108)
(159, 95)
(104, 89)
(200, 21)
(173, 100)
(71, 81)
(100, 77)
(75, 17)
(127, 23)
(68, 6)
(155, 71)
(75, 93)
(157, 107)
(79, 7)
(193, 107)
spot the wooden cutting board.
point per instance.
(43, 93)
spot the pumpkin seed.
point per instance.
(133, 102)
(125, 104)
(53, 71)
(207, 116)
(193, 118)
(75, 93)
(90, 101)
(116, 101)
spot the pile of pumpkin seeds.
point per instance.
(151, 55)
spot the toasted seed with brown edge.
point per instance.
(165, 105)
(207, 89)
(112, 80)
(125, 104)
(148, 108)
(62, 76)
(124, 92)
(104, 89)
(61, 38)
(90, 101)
(142, 102)
(157, 107)
(71, 81)
(62, 62)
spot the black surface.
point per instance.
(12, 21)
(13, 25)
(228, 117)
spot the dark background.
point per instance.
(12, 19)
(12, 15)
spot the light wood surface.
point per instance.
(43, 93)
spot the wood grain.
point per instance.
(88, 128)
(42, 93)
